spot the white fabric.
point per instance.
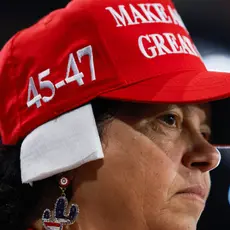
(217, 62)
(62, 144)
(215, 55)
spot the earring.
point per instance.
(60, 216)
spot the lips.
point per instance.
(195, 192)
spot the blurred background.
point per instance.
(209, 24)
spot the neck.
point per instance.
(98, 219)
(98, 212)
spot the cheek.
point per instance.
(142, 169)
(174, 149)
(169, 142)
(160, 178)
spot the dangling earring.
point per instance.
(56, 219)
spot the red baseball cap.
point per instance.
(130, 50)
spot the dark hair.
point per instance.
(17, 200)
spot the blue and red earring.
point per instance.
(61, 214)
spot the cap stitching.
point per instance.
(13, 72)
(111, 61)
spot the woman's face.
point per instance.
(155, 174)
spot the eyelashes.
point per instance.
(171, 120)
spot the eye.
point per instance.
(170, 119)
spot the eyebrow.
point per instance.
(175, 106)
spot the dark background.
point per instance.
(208, 22)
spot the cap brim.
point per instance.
(183, 87)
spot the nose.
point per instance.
(202, 156)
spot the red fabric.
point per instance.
(52, 224)
(122, 70)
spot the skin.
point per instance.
(152, 153)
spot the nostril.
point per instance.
(200, 164)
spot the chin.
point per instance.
(173, 221)
(183, 224)
(186, 209)
(176, 225)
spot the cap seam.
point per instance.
(91, 15)
(13, 68)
